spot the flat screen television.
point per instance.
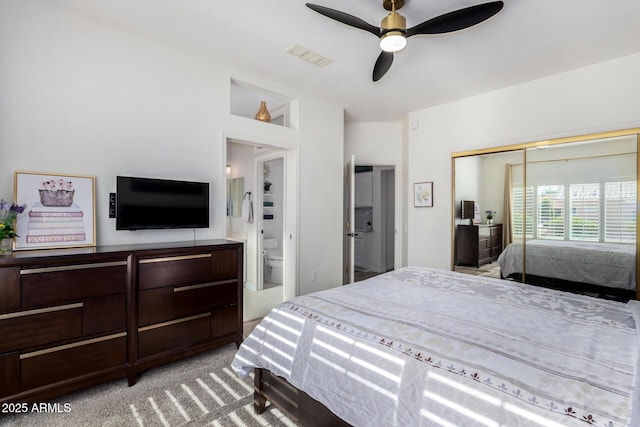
(469, 209)
(150, 203)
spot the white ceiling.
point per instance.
(528, 40)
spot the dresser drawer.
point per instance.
(58, 285)
(159, 305)
(225, 320)
(483, 244)
(174, 271)
(36, 327)
(9, 289)
(181, 332)
(187, 269)
(9, 374)
(104, 314)
(484, 232)
(73, 360)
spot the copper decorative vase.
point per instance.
(263, 114)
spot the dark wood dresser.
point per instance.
(478, 244)
(73, 318)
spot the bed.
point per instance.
(429, 347)
(608, 268)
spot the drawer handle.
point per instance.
(72, 345)
(204, 285)
(40, 311)
(173, 322)
(174, 258)
(72, 267)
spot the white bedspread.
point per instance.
(605, 264)
(426, 347)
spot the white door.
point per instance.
(350, 233)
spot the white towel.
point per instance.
(247, 210)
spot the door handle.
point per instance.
(352, 234)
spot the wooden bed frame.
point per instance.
(603, 292)
(297, 404)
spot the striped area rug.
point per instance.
(199, 391)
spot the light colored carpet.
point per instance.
(201, 390)
(488, 270)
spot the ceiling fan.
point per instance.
(393, 31)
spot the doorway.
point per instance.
(273, 214)
(375, 219)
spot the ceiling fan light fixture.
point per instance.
(393, 41)
(393, 31)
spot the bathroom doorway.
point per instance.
(267, 281)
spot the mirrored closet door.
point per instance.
(559, 213)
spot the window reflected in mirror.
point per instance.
(565, 213)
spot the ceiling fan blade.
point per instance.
(458, 19)
(383, 63)
(345, 18)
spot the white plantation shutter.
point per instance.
(584, 215)
(517, 207)
(530, 208)
(620, 211)
(550, 212)
(516, 213)
(584, 212)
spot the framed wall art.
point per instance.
(423, 194)
(60, 210)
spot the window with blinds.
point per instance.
(584, 215)
(550, 212)
(517, 207)
(620, 203)
(596, 212)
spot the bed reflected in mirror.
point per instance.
(581, 217)
(565, 212)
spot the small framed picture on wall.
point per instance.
(423, 194)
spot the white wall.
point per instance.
(81, 97)
(373, 143)
(597, 98)
(468, 181)
(492, 181)
(321, 165)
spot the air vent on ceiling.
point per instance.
(308, 55)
